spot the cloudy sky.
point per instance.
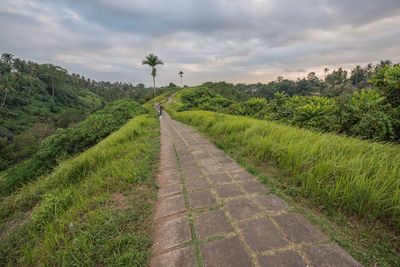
(210, 40)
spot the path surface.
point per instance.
(211, 212)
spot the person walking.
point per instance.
(160, 110)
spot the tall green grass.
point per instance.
(361, 178)
(94, 209)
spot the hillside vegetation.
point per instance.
(94, 209)
(36, 99)
(372, 113)
(67, 142)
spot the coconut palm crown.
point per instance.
(152, 60)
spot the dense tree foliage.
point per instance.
(36, 99)
(369, 113)
(336, 82)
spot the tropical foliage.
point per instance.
(36, 99)
(371, 113)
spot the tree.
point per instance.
(140, 85)
(337, 77)
(357, 75)
(387, 80)
(181, 74)
(326, 71)
(7, 58)
(52, 75)
(5, 84)
(6, 75)
(152, 60)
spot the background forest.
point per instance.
(36, 99)
(364, 102)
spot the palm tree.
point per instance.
(357, 70)
(181, 74)
(326, 70)
(153, 61)
(5, 83)
(7, 58)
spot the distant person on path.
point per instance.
(160, 109)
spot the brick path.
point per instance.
(211, 212)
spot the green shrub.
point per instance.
(366, 114)
(253, 106)
(192, 98)
(387, 80)
(67, 142)
(316, 113)
(215, 103)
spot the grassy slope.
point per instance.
(340, 176)
(67, 142)
(94, 209)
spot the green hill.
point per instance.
(93, 209)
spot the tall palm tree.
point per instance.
(181, 74)
(326, 70)
(7, 58)
(358, 69)
(152, 60)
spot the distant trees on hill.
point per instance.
(335, 104)
(335, 82)
(34, 94)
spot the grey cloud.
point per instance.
(233, 40)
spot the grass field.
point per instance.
(94, 209)
(343, 173)
(348, 179)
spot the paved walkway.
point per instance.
(211, 212)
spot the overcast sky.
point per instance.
(210, 40)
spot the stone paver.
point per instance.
(242, 176)
(330, 255)
(212, 223)
(287, 258)
(220, 178)
(225, 252)
(298, 229)
(172, 233)
(196, 183)
(254, 187)
(270, 203)
(208, 203)
(192, 172)
(176, 258)
(201, 198)
(170, 189)
(229, 190)
(169, 205)
(242, 208)
(262, 235)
